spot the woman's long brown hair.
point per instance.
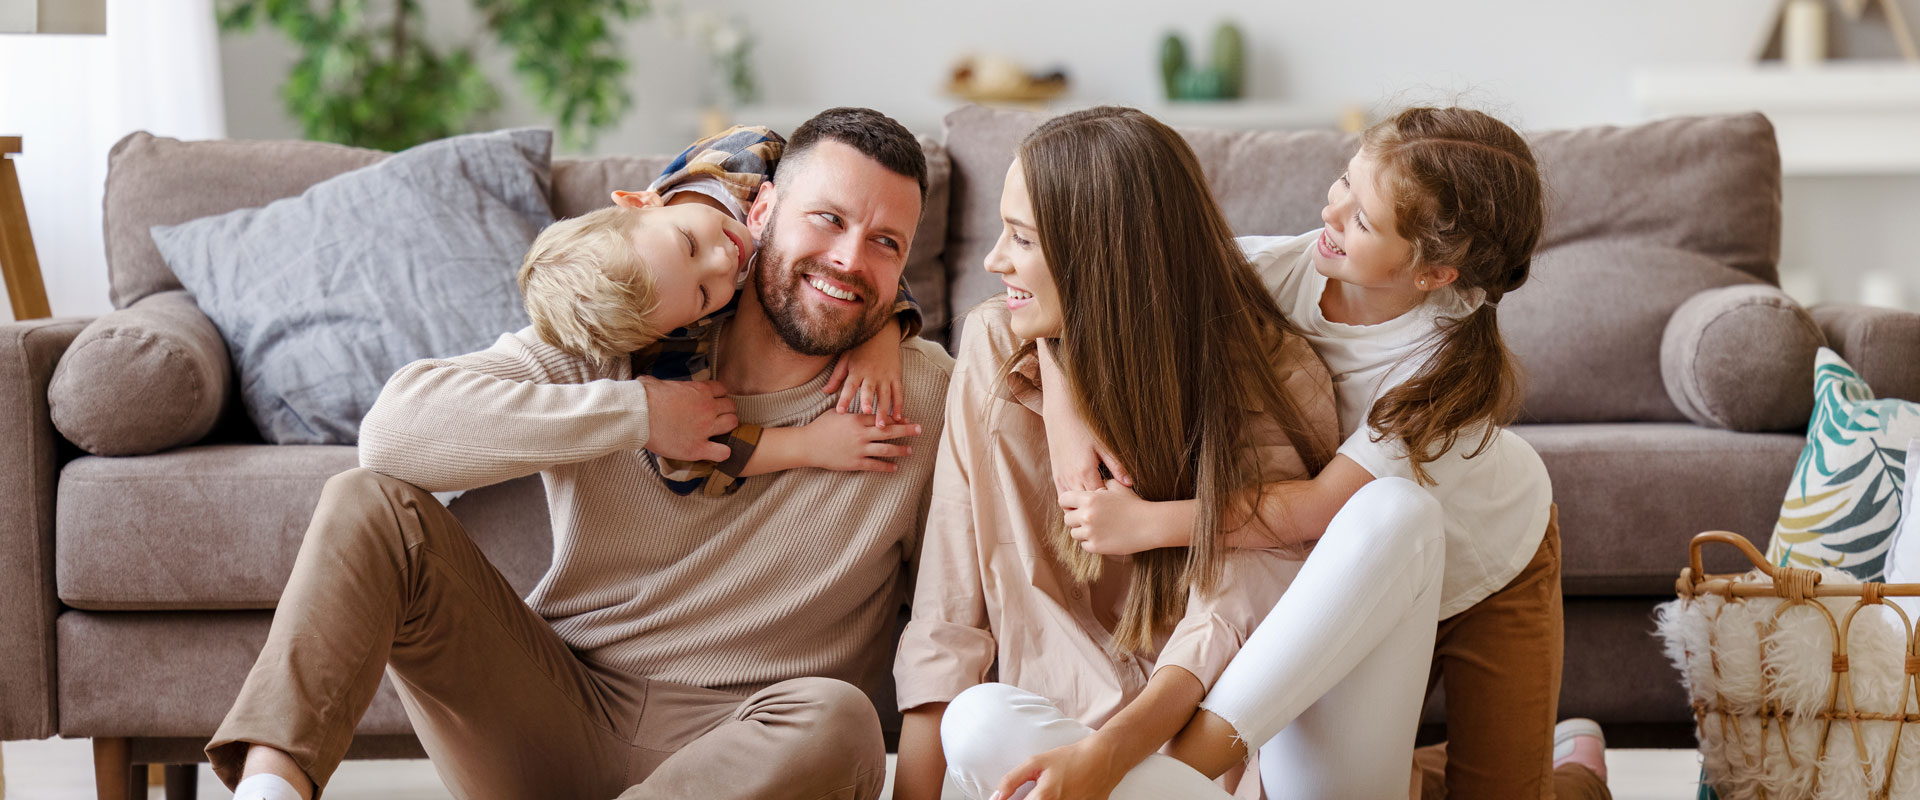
(1166, 336)
(1466, 193)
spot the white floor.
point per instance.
(62, 769)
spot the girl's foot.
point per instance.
(1579, 741)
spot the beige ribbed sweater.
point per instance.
(798, 573)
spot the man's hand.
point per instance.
(683, 415)
(1113, 521)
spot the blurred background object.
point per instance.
(999, 80)
(1222, 78)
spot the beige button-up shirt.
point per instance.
(990, 593)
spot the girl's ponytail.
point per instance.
(1467, 194)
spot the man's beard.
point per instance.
(802, 327)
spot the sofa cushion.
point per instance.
(141, 379)
(322, 296)
(1639, 219)
(218, 527)
(1632, 495)
(153, 180)
(162, 675)
(1741, 358)
(582, 185)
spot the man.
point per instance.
(678, 646)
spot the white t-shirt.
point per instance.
(1497, 502)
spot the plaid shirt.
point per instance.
(730, 166)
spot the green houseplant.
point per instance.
(366, 77)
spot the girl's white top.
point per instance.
(1497, 503)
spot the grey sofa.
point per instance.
(135, 590)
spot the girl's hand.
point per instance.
(868, 378)
(1113, 521)
(854, 443)
(1076, 455)
(1084, 770)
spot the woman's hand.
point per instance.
(1113, 521)
(1077, 456)
(1084, 770)
(868, 378)
(853, 443)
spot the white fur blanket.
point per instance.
(1766, 687)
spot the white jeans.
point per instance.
(1329, 686)
(993, 727)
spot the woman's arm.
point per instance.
(1092, 767)
(921, 771)
(1115, 521)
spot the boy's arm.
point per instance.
(842, 442)
(729, 166)
(522, 406)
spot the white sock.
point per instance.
(265, 786)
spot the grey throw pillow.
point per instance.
(321, 297)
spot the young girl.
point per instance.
(1112, 251)
(1433, 223)
(644, 278)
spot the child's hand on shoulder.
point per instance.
(854, 443)
(868, 378)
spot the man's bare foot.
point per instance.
(1579, 741)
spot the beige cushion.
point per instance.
(1640, 219)
(217, 527)
(145, 378)
(158, 181)
(1741, 358)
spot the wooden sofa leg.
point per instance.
(113, 771)
(183, 781)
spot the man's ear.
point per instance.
(646, 199)
(762, 211)
(1435, 277)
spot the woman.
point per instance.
(1122, 273)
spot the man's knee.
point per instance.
(837, 722)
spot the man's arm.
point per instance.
(522, 406)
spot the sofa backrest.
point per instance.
(154, 180)
(1639, 219)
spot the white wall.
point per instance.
(1539, 64)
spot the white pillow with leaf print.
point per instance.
(1845, 500)
(1903, 559)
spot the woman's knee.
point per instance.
(1396, 508)
(977, 725)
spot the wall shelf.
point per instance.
(1843, 118)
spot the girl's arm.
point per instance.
(1076, 455)
(921, 771)
(1115, 521)
(1093, 766)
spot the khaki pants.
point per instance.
(388, 580)
(1500, 661)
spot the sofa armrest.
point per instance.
(1881, 344)
(29, 470)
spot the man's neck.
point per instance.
(751, 357)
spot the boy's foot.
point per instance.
(1579, 741)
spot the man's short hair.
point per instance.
(875, 135)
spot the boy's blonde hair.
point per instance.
(572, 296)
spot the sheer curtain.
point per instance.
(72, 97)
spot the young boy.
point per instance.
(644, 278)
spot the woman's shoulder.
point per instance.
(987, 344)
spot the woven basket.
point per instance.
(1802, 681)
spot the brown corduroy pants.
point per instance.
(387, 580)
(1500, 663)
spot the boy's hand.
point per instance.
(868, 378)
(1076, 454)
(854, 443)
(1113, 521)
(683, 415)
